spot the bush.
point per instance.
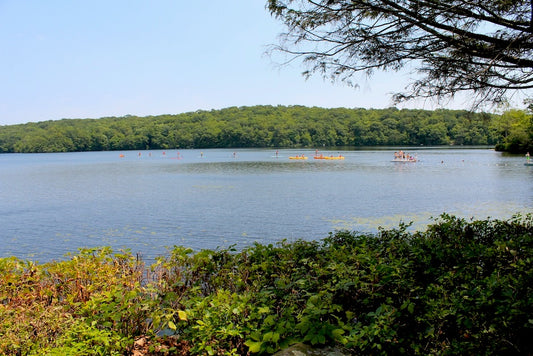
(460, 287)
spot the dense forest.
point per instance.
(271, 126)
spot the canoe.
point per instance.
(297, 157)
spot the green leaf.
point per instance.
(263, 310)
(254, 346)
(336, 333)
(182, 315)
(268, 336)
(275, 337)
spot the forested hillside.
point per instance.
(257, 126)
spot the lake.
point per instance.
(52, 204)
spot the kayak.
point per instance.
(297, 157)
(338, 157)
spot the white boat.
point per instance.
(404, 160)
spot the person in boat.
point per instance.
(399, 156)
(404, 156)
(527, 157)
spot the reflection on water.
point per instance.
(55, 203)
(259, 167)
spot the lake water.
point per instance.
(52, 204)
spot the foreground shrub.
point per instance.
(460, 287)
(91, 302)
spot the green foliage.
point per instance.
(516, 128)
(256, 126)
(84, 339)
(460, 287)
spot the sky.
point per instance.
(92, 59)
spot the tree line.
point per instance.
(273, 126)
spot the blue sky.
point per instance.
(91, 59)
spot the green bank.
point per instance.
(459, 287)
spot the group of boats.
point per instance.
(399, 156)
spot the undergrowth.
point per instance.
(460, 287)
